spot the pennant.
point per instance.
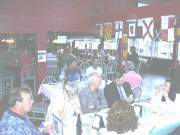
(118, 30)
(148, 26)
(100, 30)
(108, 31)
(167, 27)
(132, 32)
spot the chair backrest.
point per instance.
(111, 69)
(28, 76)
(49, 80)
(137, 92)
(83, 67)
(103, 67)
(111, 66)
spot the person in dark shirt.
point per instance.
(118, 90)
(133, 56)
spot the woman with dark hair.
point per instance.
(164, 93)
(121, 119)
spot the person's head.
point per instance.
(71, 88)
(119, 78)
(121, 117)
(129, 66)
(94, 81)
(71, 63)
(20, 99)
(95, 62)
(133, 49)
(167, 86)
(170, 89)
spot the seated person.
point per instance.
(118, 90)
(131, 76)
(133, 56)
(165, 93)
(91, 98)
(15, 120)
(71, 71)
(94, 68)
(121, 119)
(65, 105)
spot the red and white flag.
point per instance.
(148, 27)
(167, 27)
(132, 29)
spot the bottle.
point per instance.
(78, 125)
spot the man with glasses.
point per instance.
(118, 90)
(14, 120)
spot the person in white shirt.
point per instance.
(66, 106)
(94, 68)
(163, 94)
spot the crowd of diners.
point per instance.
(118, 96)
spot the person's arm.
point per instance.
(109, 95)
(102, 104)
(82, 100)
(130, 97)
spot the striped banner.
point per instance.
(100, 30)
(108, 31)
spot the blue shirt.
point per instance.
(14, 124)
(87, 97)
(73, 75)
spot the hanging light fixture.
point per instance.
(8, 40)
(56, 40)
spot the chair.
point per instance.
(103, 67)
(28, 77)
(49, 80)
(111, 70)
(83, 67)
(38, 108)
(137, 93)
(7, 84)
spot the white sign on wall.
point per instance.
(41, 56)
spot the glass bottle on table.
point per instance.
(78, 125)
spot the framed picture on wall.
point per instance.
(41, 56)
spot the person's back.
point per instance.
(131, 76)
(133, 79)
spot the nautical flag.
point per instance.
(148, 26)
(157, 34)
(178, 35)
(108, 31)
(100, 30)
(132, 31)
(167, 27)
(118, 30)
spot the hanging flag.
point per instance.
(167, 27)
(148, 26)
(108, 31)
(157, 34)
(132, 31)
(118, 29)
(100, 30)
(178, 35)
